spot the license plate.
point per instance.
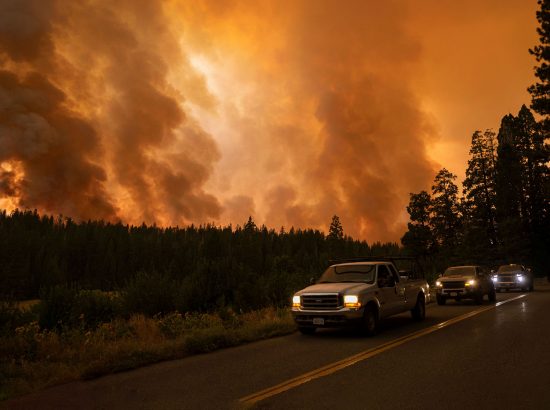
(452, 294)
(318, 321)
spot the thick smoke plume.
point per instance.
(173, 112)
(323, 119)
(89, 118)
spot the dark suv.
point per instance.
(513, 276)
(465, 282)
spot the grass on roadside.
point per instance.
(32, 358)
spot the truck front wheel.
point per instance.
(369, 325)
(478, 298)
(492, 295)
(419, 310)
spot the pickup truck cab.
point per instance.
(464, 282)
(358, 293)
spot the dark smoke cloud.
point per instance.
(25, 28)
(87, 110)
(54, 147)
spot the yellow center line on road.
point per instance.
(349, 361)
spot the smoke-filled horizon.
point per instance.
(172, 112)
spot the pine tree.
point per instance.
(510, 196)
(534, 158)
(419, 238)
(479, 188)
(336, 231)
(445, 210)
(250, 225)
(540, 91)
(540, 102)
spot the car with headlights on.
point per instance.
(360, 292)
(513, 276)
(464, 282)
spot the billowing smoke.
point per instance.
(175, 112)
(322, 118)
(87, 111)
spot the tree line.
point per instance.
(214, 266)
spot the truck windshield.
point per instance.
(460, 270)
(349, 273)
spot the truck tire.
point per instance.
(492, 295)
(478, 298)
(418, 312)
(369, 324)
(441, 300)
(305, 330)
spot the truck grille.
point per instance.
(321, 301)
(454, 285)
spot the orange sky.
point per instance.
(290, 111)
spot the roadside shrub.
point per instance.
(116, 330)
(229, 318)
(63, 307)
(23, 344)
(56, 307)
(94, 307)
(10, 316)
(150, 294)
(172, 325)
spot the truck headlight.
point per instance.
(471, 282)
(520, 278)
(495, 278)
(351, 301)
(295, 301)
(438, 284)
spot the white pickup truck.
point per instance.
(359, 292)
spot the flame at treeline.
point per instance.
(176, 112)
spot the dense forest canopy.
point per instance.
(254, 265)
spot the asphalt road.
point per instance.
(461, 356)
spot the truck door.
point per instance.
(401, 287)
(388, 296)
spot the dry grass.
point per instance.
(27, 304)
(33, 359)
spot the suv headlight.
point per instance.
(495, 278)
(471, 282)
(295, 301)
(351, 301)
(520, 277)
(438, 283)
